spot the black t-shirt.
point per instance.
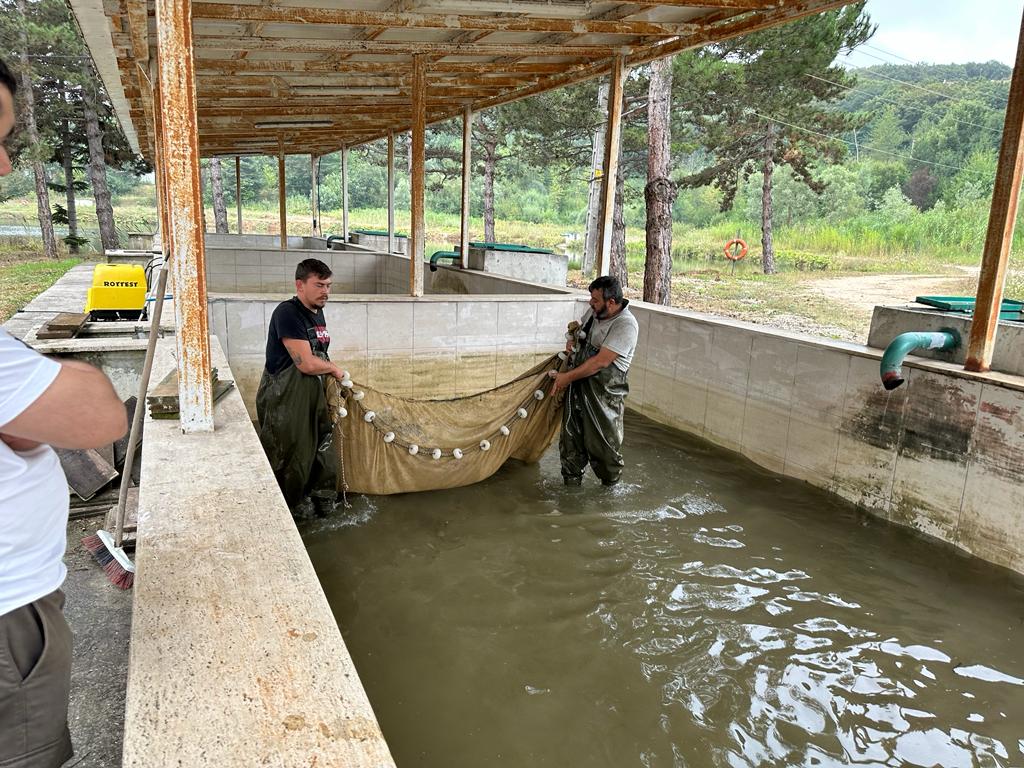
(291, 320)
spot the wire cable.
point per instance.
(901, 105)
(863, 146)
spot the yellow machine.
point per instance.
(118, 292)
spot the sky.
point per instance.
(942, 31)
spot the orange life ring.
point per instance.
(735, 256)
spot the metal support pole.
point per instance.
(391, 191)
(238, 192)
(611, 165)
(180, 144)
(417, 186)
(467, 159)
(999, 238)
(281, 207)
(344, 193)
(314, 193)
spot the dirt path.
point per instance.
(865, 292)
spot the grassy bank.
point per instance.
(23, 279)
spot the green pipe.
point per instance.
(906, 343)
(437, 255)
(332, 238)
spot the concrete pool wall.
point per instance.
(944, 454)
(465, 343)
(268, 269)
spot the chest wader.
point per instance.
(592, 427)
(298, 435)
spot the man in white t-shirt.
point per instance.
(43, 403)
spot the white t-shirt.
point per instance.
(33, 489)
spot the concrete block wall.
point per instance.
(944, 454)
(224, 240)
(546, 268)
(271, 270)
(432, 347)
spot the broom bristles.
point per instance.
(117, 574)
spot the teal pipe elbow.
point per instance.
(438, 255)
(332, 238)
(904, 344)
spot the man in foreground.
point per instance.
(599, 358)
(43, 403)
(296, 428)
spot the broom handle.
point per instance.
(140, 405)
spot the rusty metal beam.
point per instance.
(314, 193)
(467, 170)
(187, 257)
(448, 22)
(238, 191)
(282, 210)
(344, 193)
(391, 191)
(1001, 222)
(417, 183)
(613, 135)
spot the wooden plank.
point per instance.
(71, 321)
(86, 471)
(131, 514)
(66, 325)
(1001, 223)
(447, 22)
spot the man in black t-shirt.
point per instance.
(296, 428)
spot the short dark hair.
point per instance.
(312, 267)
(609, 287)
(7, 78)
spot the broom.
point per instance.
(106, 548)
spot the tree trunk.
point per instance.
(594, 197)
(98, 170)
(28, 119)
(69, 190)
(660, 193)
(490, 160)
(220, 211)
(768, 252)
(617, 268)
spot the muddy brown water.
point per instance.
(703, 613)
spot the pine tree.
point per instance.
(759, 101)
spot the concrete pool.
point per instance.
(941, 455)
(705, 612)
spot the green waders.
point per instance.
(592, 427)
(298, 435)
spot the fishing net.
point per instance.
(388, 444)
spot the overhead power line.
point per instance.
(878, 75)
(901, 105)
(862, 146)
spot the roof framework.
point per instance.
(316, 75)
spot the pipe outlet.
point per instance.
(904, 344)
